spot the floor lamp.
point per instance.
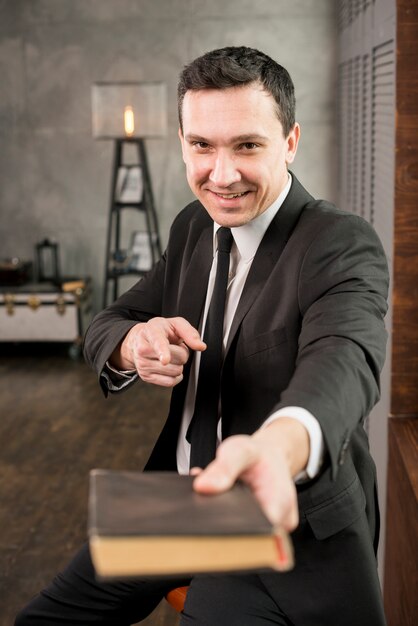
(128, 113)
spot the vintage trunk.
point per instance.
(46, 312)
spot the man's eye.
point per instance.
(249, 145)
(201, 145)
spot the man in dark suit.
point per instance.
(303, 344)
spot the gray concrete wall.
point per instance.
(54, 177)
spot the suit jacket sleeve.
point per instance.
(342, 291)
(109, 327)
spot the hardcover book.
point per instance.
(154, 523)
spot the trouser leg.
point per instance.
(75, 597)
(234, 600)
(334, 581)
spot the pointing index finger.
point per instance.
(187, 333)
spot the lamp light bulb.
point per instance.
(129, 121)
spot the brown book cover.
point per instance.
(154, 523)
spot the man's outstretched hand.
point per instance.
(158, 350)
(267, 462)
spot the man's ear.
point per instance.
(180, 133)
(292, 141)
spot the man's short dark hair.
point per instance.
(235, 66)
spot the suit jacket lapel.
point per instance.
(195, 275)
(269, 250)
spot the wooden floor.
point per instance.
(55, 426)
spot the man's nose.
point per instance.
(224, 171)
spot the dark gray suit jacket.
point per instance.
(308, 332)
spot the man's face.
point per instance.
(235, 153)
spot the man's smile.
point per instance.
(228, 196)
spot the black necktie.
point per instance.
(202, 431)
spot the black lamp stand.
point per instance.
(114, 267)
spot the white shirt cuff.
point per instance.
(316, 439)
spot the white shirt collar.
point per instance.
(248, 237)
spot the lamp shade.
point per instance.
(128, 110)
